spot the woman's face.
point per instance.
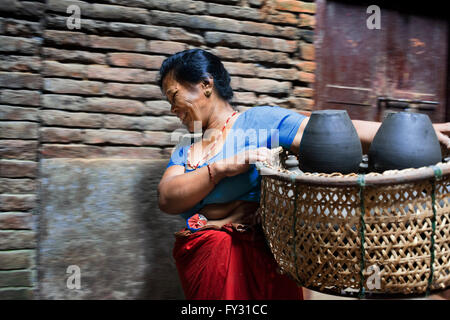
(188, 101)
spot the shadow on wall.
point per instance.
(102, 216)
(161, 278)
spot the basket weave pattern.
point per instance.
(315, 234)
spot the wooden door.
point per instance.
(368, 72)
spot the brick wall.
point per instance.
(92, 93)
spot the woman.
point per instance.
(215, 187)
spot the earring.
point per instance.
(207, 93)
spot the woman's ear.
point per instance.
(207, 86)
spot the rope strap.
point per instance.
(362, 184)
(294, 230)
(437, 176)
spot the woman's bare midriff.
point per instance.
(238, 211)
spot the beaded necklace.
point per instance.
(213, 145)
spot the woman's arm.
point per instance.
(368, 129)
(179, 191)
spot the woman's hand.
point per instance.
(442, 132)
(241, 162)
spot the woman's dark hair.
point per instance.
(195, 65)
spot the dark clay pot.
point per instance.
(330, 143)
(404, 140)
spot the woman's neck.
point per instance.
(217, 118)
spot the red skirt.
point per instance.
(231, 264)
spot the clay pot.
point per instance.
(404, 140)
(330, 143)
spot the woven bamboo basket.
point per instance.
(372, 235)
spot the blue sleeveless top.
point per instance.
(257, 127)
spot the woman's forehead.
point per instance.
(169, 83)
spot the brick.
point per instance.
(265, 85)
(157, 107)
(71, 151)
(179, 34)
(117, 13)
(232, 40)
(18, 130)
(18, 113)
(200, 22)
(114, 121)
(61, 135)
(17, 185)
(19, 80)
(17, 202)
(66, 38)
(133, 153)
(19, 45)
(167, 47)
(163, 123)
(266, 100)
(16, 278)
(16, 220)
(283, 18)
(17, 259)
(306, 77)
(118, 43)
(277, 44)
(238, 68)
(124, 106)
(187, 6)
(307, 66)
(226, 53)
(288, 32)
(307, 21)
(71, 119)
(120, 74)
(26, 8)
(92, 152)
(18, 149)
(235, 12)
(265, 56)
(22, 28)
(247, 98)
(301, 103)
(295, 6)
(277, 73)
(82, 87)
(135, 60)
(157, 138)
(303, 92)
(255, 3)
(69, 70)
(307, 51)
(20, 97)
(133, 90)
(18, 169)
(102, 11)
(64, 102)
(112, 136)
(73, 56)
(16, 294)
(20, 63)
(17, 239)
(258, 28)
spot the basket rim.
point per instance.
(409, 175)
